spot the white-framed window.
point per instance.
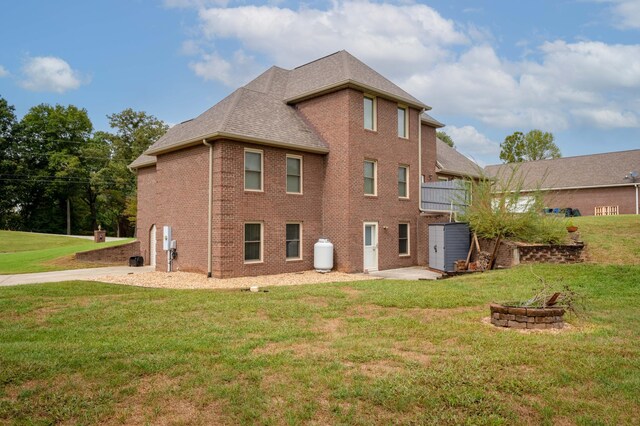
(370, 177)
(443, 178)
(294, 174)
(294, 241)
(369, 112)
(403, 181)
(403, 122)
(403, 239)
(253, 165)
(253, 242)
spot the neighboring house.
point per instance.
(451, 164)
(586, 182)
(330, 149)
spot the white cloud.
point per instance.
(626, 13)
(234, 72)
(49, 74)
(454, 68)
(370, 30)
(470, 141)
(3, 72)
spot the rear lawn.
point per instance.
(24, 252)
(355, 353)
(611, 239)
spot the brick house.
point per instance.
(594, 184)
(329, 149)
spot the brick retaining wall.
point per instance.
(512, 253)
(531, 318)
(114, 254)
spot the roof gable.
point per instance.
(452, 162)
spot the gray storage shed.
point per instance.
(448, 242)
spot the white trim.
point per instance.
(375, 177)
(406, 182)
(244, 169)
(408, 253)
(374, 106)
(244, 241)
(297, 157)
(615, 185)
(290, 259)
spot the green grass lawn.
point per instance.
(348, 353)
(611, 239)
(24, 252)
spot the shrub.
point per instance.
(499, 207)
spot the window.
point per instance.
(252, 170)
(402, 122)
(369, 177)
(252, 242)
(443, 178)
(403, 239)
(293, 241)
(403, 179)
(294, 174)
(369, 112)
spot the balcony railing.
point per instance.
(445, 196)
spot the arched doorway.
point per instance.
(152, 245)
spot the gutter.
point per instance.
(210, 222)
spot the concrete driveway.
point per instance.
(411, 273)
(70, 275)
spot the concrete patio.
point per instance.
(410, 273)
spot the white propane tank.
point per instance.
(323, 256)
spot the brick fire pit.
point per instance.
(528, 318)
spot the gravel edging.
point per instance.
(186, 280)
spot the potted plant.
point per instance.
(571, 227)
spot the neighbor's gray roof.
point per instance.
(451, 162)
(608, 169)
(259, 111)
(143, 161)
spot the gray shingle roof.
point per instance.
(426, 118)
(342, 68)
(143, 161)
(608, 169)
(451, 162)
(259, 111)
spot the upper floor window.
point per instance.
(403, 179)
(369, 112)
(252, 170)
(403, 121)
(294, 174)
(369, 177)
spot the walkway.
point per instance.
(411, 273)
(70, 275)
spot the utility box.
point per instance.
(448, 242)
(100, 236)
(166, 238)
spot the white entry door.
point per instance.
(152, 245)
(370, 246)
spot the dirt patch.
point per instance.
(422, 355)
(351, 292)
(187, 280)
(301, 349)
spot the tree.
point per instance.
(8, 181)
(48, 149)
(134, 132)
(444, 137)
(535, 145)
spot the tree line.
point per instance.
(59, 175)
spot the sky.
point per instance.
(487, 68)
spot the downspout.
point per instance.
(636, 185)
(210, 224)
(419, 185)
